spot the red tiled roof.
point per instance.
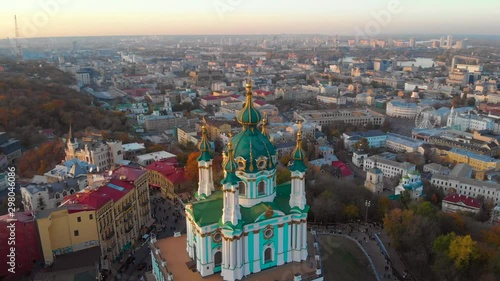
(19, 216)
(130, 173)
(212, 97)
(169, 169)
(113, 190)
(345, 171)
(466, 200)
(263, 92)
(260, 102)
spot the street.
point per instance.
(169, 219)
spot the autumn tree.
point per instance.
(463, 251)
(351, 212)
(396, 223)
(191, 168)
(362, 144)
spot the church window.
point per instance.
(241, 163)
(262, 188)
(268, 233)
(242, 188)
(218, 258)
(268, 255)
(261, 162)
(217, 237)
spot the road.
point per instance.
(169, 219)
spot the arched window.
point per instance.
(218, 258)
(268, 255)
(242, 187)
(57, 195)
(261, 188)
(71, 191)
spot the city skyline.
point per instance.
(61, 18)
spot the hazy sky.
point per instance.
(43, 18)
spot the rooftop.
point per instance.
(466, 200)
(472, 155)
(173, 251)
(133, 146)
(159, 155)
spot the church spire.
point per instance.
(205, 173)
(264, 131)
(204, 145)
(248, 115)
(230, 166)
(298, 154)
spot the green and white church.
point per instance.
(252, 224)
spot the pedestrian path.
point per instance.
(388, 264)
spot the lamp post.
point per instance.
(367, 205)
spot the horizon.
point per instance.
(63, 18)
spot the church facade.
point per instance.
(252, 223)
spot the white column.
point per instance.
(256, 252)
(246, 259)
(280, 246)
(224, 256)
(288, 254)
(304, 235)
(233, 254)
(304, 241)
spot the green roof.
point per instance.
(209, 211)
(250, 144)
(298, 165)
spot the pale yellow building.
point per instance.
(476, 161)
(65, 230)
(111, 213)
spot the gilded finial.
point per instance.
(299, 131)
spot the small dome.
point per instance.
(204, 145)
(249, 116)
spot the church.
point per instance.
(252, 223)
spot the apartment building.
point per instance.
(469, 187)
(168, 177)
(325, 117)
(476, 161)
(111, 213)
(389, 168)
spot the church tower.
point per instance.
(374, 180)
(71, 146)
(205, 173)
(451, 118)
(251, 223)
(298, 171)
(298, 202)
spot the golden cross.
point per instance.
(249, 72)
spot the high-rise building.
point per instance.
(449, 42)
(412, 42)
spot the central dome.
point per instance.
(253, 151)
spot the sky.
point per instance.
(54, 18)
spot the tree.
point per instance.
(191, 168)
(155, 148)
(362, 144)
(463, 251)
(443, 265)
(351, 212)
(282, 175)
(396, 223)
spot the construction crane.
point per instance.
(19, 51)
